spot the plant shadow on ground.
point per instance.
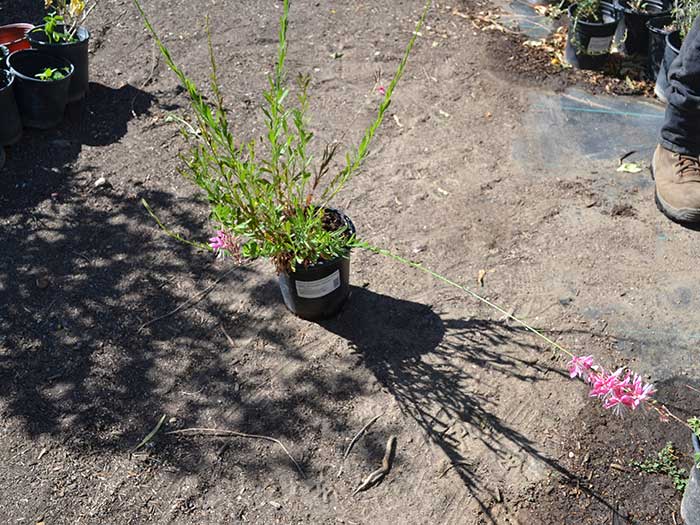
(78, 365)
(36, 165)
(437, 369)
(80, 278)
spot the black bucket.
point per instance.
(671, 52)
(588, 43)
(75, 52)
(10, 124)
(657, 43)
(635, 23)
(690, 505)
(320, 290)
(41, 103)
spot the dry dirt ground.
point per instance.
(489, 427)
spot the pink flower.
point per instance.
(579, 366)
(619, 393)
(603, 383)
(225, 244)
(381, 90)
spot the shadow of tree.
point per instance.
(438, 369)
(78, 366)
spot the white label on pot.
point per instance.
(599, 44)
(315, 289)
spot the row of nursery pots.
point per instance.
(28, 96)
(645, 33)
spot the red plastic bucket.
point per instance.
(14, 36)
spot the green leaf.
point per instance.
(629, 167)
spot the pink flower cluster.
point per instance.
(618, 390)
(225, 244)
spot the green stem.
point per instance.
(418, 266)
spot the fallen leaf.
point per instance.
(480, 277)
(629, 167)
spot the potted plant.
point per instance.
(592, 26)
(14, 36)
(278, 205)
(64, 36)
(11, 124)
(42, 87)
(684, 13)
(635, 15)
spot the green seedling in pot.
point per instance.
(640, 6)
(588, 11)
(51, 74)
(61, 24)
(52, 21)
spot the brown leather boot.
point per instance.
(677, 179)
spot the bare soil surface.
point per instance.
(106, 324)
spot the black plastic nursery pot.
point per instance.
(690, 505)
(658, 29)
(671, 52)
(320, 290)
(635, 23)
(588, 43)
(10, 124)
(75, 52)
(41, 103)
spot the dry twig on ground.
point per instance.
(215, 432)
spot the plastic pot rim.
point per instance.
(651, 26)
(20, 25)
(623, 5)
(22, 76)
(668, 40)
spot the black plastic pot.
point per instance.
(588, 43)
(690, 505)
(2, 157)
(318, 291)
(671, 52)
(635, 23)
(41, 103)
(10, 124)
(76, 53)
(657, 43)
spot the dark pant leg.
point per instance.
(681, 130)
